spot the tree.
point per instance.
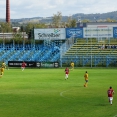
(30, 26)
(5, 27)
(71, 23)
(57, 19)
(86, 20)
(110, 20)
(17, 37)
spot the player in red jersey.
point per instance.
(110, 93)
(66, 73)
(23, 66)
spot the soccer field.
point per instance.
(46, 93)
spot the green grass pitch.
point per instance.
(46, 93)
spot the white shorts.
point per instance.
(110, 98)
(22, 67)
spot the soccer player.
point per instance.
(110, 93)
(23, 66)
(72, 65)
(86, 79)
(2, 71)
(66, 73)
(4, 65)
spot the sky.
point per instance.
(47, 8)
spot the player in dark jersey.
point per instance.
(66, 73)
(23, 66)
(110, 93)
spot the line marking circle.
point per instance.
(61, 94)
(115, 116)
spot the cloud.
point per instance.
(46, 8)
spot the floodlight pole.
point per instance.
(60, 56)
(91, 52)
(108, 35)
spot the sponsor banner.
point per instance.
(115, 32)
(97, 32)
(34, 64)
(19, 63)
(49, 34)
(74, 32)
(47, 64)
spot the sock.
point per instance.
(66, 76)
(85, 84)
(111, 102)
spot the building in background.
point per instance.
(96, 24)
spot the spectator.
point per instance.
(109, 46)
(103, 46)
(114, 46)
(106, 46)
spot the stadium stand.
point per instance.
(83, 52)
(87, 53)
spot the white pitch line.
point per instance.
(115, 116)
(61, 94)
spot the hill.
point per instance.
(82, 16)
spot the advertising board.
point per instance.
(115, 32)
(74, 32)
(19, 63)
(97, 32)
(34, 64)
(49, 34)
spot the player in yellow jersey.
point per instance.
(4, 65)
(86, 79)
(72, 65)
(2, 71)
